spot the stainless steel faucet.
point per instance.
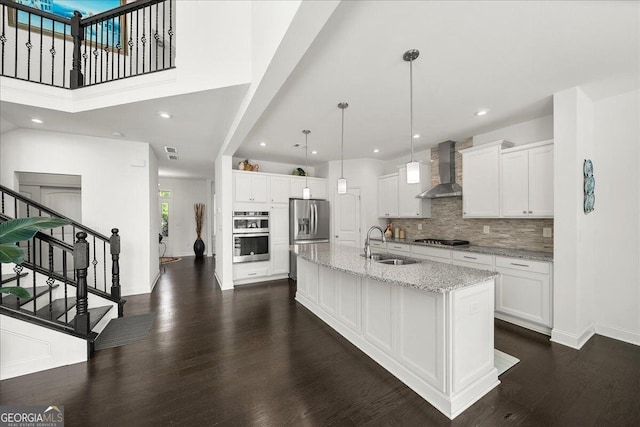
(367, 246)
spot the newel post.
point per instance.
(81, 263)
(76, 79)
(115, 268)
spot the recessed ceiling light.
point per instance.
(376, 150)
(38, 121)
(314, 152)
(263, 144)
(172, 157)
(165, 115)
(116, 133)
(416, 136)
(481, 112)
(170, 149)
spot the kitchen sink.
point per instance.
(397, 261)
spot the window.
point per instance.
(164, 212)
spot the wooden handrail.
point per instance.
(34, 11)
(126, 8)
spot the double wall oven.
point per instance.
(250, 236)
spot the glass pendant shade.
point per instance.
(413, 172)
(306, 193)
(342, 185)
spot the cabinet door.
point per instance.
(392, 196)
(280, 258)
(318, 188)
(515, 184)
(259, 185)
(541, 181)
(524, 295)
(296, 187)
(279, 223)
(383, 212)
(481, 174)
(408, 205)
(280, 189)
(242, 187)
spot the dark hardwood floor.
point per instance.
(255, 357)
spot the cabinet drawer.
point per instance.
(378, 244)
(473, 257)
(427, 251)
(250, 270)
(398, 248)
(523, 265)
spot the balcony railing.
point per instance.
(134, 39)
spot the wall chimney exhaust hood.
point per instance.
(447, 169)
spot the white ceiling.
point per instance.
(505, 56)
(198, 126)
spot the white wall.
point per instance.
(154, 220)
(276, 167)
(182, 224)
(617, 212)
(539, 129)
(574, 251)
(224, 222)
(115, 189)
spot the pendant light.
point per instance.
(342, 181)
(413, 167)
(306, 192)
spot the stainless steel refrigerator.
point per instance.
(308, 224)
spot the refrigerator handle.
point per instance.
(312, 219)
(315, 218)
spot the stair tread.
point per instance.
(12, 300)
(56, 309)
(8, 278)
(95, 315)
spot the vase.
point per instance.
(198, 248)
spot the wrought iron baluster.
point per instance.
(119, 45)
(50, 281)
(150, 35)
(143, 39)
(3, 40)
(15, 61)
(164, 21)
(85, 56)
(41, 43)
(52, 51)
(95, 54)
(137, 38)
(66, 283)
(104, 264)
(95, 264)
(64, 55)
(100, 27)
(29, 47)
(113, 43)
(157, 37)
(33, 262)
(170, 32)
(130, 44)
(18, 270)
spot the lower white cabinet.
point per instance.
(432, 254)
(523, 293)
(398, 248)
(472, 260)
(250, 270)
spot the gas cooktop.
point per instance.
(443, 242)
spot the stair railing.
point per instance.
(15, 205)
(72, 52)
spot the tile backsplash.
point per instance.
(446, 221)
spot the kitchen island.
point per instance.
(429, 324)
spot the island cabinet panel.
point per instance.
(524, 295)
(423, 355)
(472, 323)
(327, 287)
(378, 316)
(308, 280)
(349, 297)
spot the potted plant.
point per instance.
(198, 246)
(19, 230)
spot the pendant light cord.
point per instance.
(342, 147)
(306, 157)
(411, 106)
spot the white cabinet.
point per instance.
(472, 260)
(408, 205)
(388, 196)
(431, 253)
(250, 187)
(398, 248)
(481, 180)
(523, 293)
(318, 187)
(279, 229)
(527, 181)
(280, 189)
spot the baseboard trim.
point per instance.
(223, 286)
(571, 340)
(618, 334)
(155, 281)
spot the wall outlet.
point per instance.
(546, 231)
(486, 229)
(419, 226)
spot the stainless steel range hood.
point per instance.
(447, 169)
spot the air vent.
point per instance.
(171, 149)
(172, 157)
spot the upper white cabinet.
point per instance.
(250, 187)
(481, 180)
(408, 205)
(388, 196)
(318, 187)
(527, 181)
(280, 189)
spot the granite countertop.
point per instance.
(491, 250)
(424, 275)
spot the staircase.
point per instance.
(70, 303)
